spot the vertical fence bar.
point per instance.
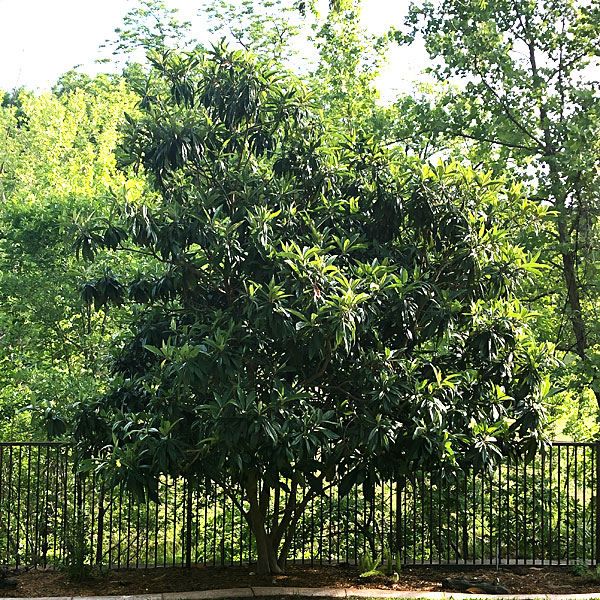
(18, 513)
(507, 513)
(196, 531)
(499, 504)
(138, 508)
(100, 524)
(543, 512)
(204, 536)
(439, 521)
(398, 518)
(232, 546)
(430, 523)
(166, 520)
(175, 520)
(41, 498)
(575, 508)
(312, 530)
(92, 513)
(568, 493)
(474, 513)
(120, 526)
(128, 547)
(36, 542)
(515, 489)
(320, 556)
(356, 536)
(3, 562)
(28, 505)
(46, 513)
(522, 513)
(382, 532)
(596, 489)
(9, 502)
(223, 528)
(456, 533)
(533, 510)
(422, 497)
(583, 512)
(188, 527)
(559, 504)
(491, 518)
(156, 517)
(214, 525)
(550, 500)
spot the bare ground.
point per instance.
(519, 580)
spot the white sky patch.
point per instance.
(41, 39)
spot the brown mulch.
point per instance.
(519, 580)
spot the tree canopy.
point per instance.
(307, 307)
(231, 267)
(525, 101)
(56, 161)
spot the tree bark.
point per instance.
(274, 539)
(569, 269)
(265, 543)
(570, 276)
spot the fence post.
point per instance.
(100, 538)
(597, 497)
(188, 521)
(398, 540)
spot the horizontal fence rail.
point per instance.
(545, 512)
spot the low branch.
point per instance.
(540, 296)
(264, 496)
(288, 513)
(322, 367)
(496, 142)
(507, 110)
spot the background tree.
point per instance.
(331, 51)
(304, 313)
(345, 73)
(150, 25)
(57, 160)
(266, 28)
(526, 99)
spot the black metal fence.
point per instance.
(546, 512)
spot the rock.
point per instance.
(473, 586)
(8, 583)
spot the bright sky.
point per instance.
(41, 39)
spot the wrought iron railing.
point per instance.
(546, 512)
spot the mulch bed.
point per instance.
(519, 580)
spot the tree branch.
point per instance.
(506, 109)
(497, 142)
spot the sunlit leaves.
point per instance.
(303, 310)
(58, 163)
(518, 91)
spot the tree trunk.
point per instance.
(266, 545)
(267, 555)
(569, 270)
(287, 542)
(574, 301)
(273, 543)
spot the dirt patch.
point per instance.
(519, 580)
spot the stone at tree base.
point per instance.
(8, 583)
(473, 586)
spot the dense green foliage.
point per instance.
(303, 312)
(57, 161)
(526, 102)
(214, 268)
